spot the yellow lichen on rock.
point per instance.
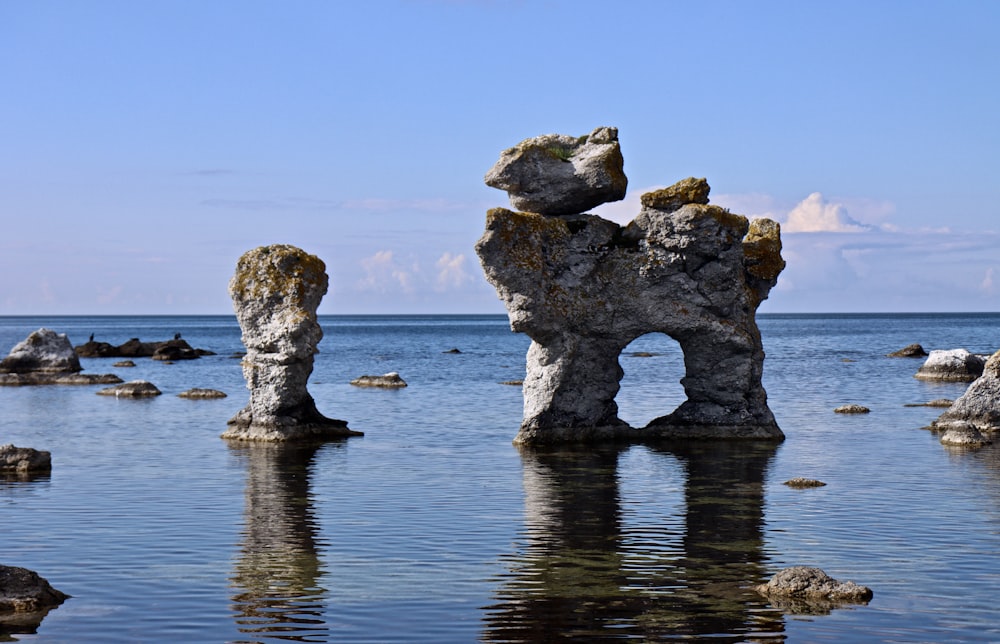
(762, 249)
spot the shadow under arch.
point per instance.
(652, 367)
(277, 576)
(583, 573)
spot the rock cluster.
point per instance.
(803, 589)
(582, 288)
(167, 350)
(976, 412)
(276, 291)
(46, 358)
(951, 365)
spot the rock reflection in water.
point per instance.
(584, 572)
(278, 572)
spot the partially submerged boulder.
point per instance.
(198, 393)
(582, 288)
(802, 483)
(951, 365)
(276, 291)
(556, 174)
(24, 591)
(23, 460)
(391, 380)
(978, 407)
(851, 409)
(47, 358)
(909, 351)
(133, 389)
(43, 351)
(170, 350)
(803, 589)
(960, 434)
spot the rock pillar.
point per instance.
(276, 291)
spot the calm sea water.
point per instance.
(434, 528)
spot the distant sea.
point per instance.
(433, 527)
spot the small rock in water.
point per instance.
(124, 363)
(851, 409)
(390, 380)
(452, 351)
(940, 402)
(201, 393)
(133, 389)
(24, 591)
(512, 382)
(909, 351)
(803, 589)
(24, 459)
(800, 482)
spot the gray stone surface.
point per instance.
(556, 174)
(951, 365)
(851, 409)
(43, 351)
(133, 389)
(962, 434)
(909, 351)
(979, 406)
(276, 291)
(582, 288)
(198, 393)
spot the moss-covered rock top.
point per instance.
(683, 192)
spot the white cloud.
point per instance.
(987, 284)
(383, 273)
(451, 271)
(814, 214)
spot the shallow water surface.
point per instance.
(433, 528)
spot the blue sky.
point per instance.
(146, 145)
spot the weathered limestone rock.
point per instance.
(802, 589)
(961, 434)
(979, 406)
(909, 351)
(43, 351)
(133, 389)
(391, 380)
(24, 591)
(582, 288)
(276, 291)
(952, 365)
(22, 460)
(555, 174)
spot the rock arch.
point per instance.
(582, 288)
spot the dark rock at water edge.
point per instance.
(24, 591)
(909, 351)
(30, 379)
(23, 460)
(176, 349)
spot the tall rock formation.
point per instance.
(582, 288)
(276, 291)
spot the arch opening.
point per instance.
(653, 365)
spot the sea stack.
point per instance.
(582, 288)
(276, 291)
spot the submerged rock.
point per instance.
(201, 393)
(43, 351)
(390, 380)
(909, 351)
(978, 407)
(851, 409)
(799, 482)
(960, 434)
(802, 589)
(276, 291)
(951, 365)
(556, 174)
(938, 402)
(582, 288)
(22, 460)
(28, 379)
(133, 389)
